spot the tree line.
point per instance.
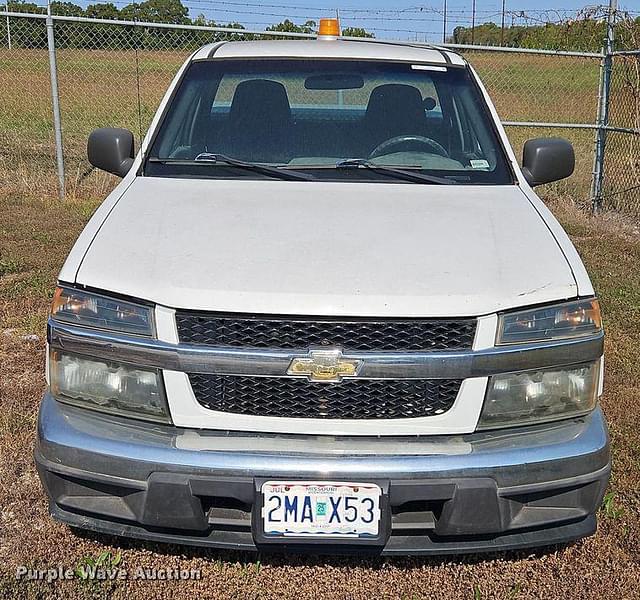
(585, 35)
(31, 33)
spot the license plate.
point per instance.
(321, 509)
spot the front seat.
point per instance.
(394, 109)
(260, 125)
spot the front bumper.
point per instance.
(498, 490)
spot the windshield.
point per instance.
(336, 120)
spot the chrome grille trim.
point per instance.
(459, 364)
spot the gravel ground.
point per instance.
(35, 236)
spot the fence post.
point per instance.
(604, 98)
(55, 101)
(6, 7)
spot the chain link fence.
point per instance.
(114, 73)
(26, 127)
(540, 94)
(622, 157)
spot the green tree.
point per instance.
(357, 32)
(103, 10)
(205, 37)
(66, 9)
(288, 26)
(25, 7)
(487, 34)
(581, 34)
(157, 11)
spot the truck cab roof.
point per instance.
(331, 49)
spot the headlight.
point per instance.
(538, 396)
(94, 310)
(561, 321)
(107, 387)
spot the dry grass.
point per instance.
(35, 236)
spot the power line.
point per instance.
(215, 3)
(308, 16)
(315, 12)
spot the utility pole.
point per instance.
(473, 22)
(444, 23)
(502, 29)
(6, 7)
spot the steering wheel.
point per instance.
(401, 140)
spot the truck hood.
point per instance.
(350, 249)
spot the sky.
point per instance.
(418, 20)
(401, 19)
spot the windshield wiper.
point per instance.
(209, 157)
(355, 163)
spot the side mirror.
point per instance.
(111, 149)
(547, 159)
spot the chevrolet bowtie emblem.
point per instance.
(324, 365)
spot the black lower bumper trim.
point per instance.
(400, 545)
(437, 516)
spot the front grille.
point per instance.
(349, 399)
(350, 334)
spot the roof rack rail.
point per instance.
(425, 45)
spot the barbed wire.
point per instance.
(555, 15)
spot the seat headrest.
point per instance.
(260, 100)
(397, 106)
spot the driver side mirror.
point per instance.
(547, 159)
(111, 149)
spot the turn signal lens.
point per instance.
(329, 28)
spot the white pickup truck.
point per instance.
(325, 310)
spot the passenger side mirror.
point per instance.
(547, 159)
(111, 149)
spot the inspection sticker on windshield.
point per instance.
(479, 163)
(321, 509)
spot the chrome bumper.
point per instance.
(484, 491)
